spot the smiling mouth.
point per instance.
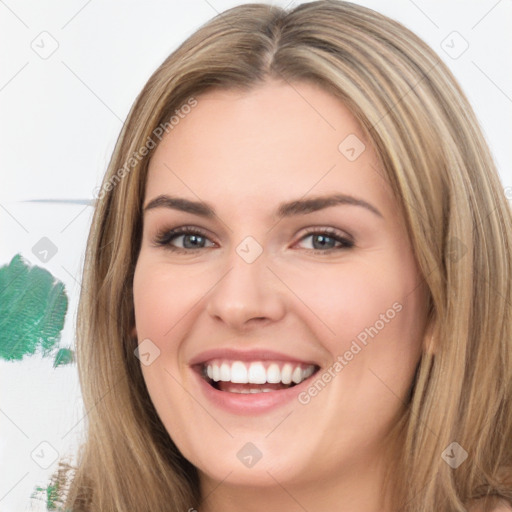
(256, 376)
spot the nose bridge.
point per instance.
(247, 290)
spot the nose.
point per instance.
(248, 293)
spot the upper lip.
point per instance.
(246, 355)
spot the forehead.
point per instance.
(272, 143)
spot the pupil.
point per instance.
(194, 238)
(322, 239)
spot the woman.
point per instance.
(298, 280)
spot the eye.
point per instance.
(324, 240)
(328, 239)
(191, 238)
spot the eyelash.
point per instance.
(165, 237)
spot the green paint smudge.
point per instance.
(64, 356)
(51, 496)
(55, 492)
(33, 307)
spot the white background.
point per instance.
(60, 117)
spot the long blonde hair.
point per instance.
(460, 224)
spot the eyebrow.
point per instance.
(288, 209)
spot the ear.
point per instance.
(133, 332)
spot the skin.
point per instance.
(244, 153)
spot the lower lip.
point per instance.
(250, 403)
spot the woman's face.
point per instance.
(299, 262)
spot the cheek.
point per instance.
(162, 298)
(374, 313)
(161, 302)
(349, 298)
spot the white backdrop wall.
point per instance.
(69, 74)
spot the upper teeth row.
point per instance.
(255, 373)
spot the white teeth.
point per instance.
(239, 372)
(248, 391)
(286, 373)
(257, 373)
(273, 374)
(225, 372)
(297, 375)
(307, 372)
